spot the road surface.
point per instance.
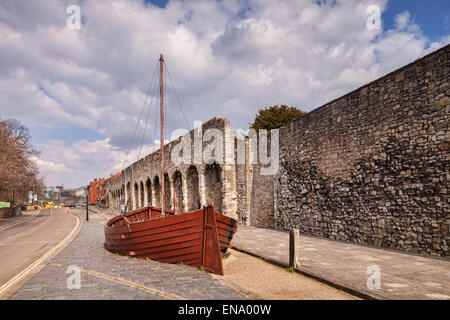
(27, 242)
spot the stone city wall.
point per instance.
(372, 167)
(192, 184)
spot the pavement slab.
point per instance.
(352, 266)
(109, 276)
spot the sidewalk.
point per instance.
(25, 216)
(403, 276)
(108, 276)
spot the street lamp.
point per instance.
(87, 203)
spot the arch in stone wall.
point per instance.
(213, 184)
(136, 196)
(167, 194)
(141, 200)
(178, 189)
(121, 195)
(157, 188)
(193, 194)
(148, 185)
(128, 201)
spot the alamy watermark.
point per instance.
(74, 19)
(374, 20)
(374, 279)
(74, 279)
(227, 146)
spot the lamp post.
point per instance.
(87, 203)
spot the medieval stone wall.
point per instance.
(193, 184)
(372, 167)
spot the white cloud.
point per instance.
(84, 160)
(229, 58)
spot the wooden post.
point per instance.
(294, 243)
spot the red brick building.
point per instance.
(97, 192)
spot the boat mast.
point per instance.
(161, 93)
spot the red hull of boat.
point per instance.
(197, 238)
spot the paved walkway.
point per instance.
(403, 276)
(108, 276)
(6, 223)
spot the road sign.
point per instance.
(35, 197)
(30, 195)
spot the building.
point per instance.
(48, 192)
(97, 194)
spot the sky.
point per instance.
(80, 91)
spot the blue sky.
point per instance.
(159, 3)
(80, 91)
(433, 16)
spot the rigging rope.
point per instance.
(154, 127)
(166, 72)
(146, 122)
(165, 105)
(178, 99)
(139, 120)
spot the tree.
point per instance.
(18, 170)
(275, 117)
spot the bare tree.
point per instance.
(18, 171)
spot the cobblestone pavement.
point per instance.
(108, 276)
(403, 276)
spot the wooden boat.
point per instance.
(198, 238)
